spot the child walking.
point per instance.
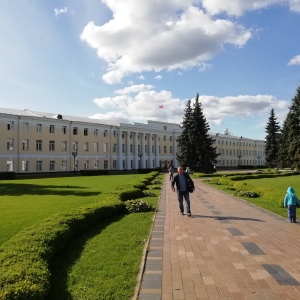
(290, 202)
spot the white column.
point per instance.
(176, 163)
(120, 155)
(128, 154)
(143, 151)
(136, 158)
(150, 151)
(157, 151)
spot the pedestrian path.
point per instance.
(228, 249)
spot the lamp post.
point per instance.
(140, 155)
(74, 153)
(239, 155)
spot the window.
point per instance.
(10, 165)
(131, 148)
(105, 147)
(95, 132)
(86, 165)
(25, 165)
(10, 125)
(115, 133)
(170, 138)
(96, 147)
(38, 145)
(131, 164)
(165, 149)
(51, 145)
(64, 146)
(123, 148)
(86, 131)
(25, 144)
(114, 164)
(152, 148)
(105, 165)
(52, 165)
(38, 127)
(64, 165)
(96, 164)
(123, 164)
(105, 133)
(123, 135)
(165, 138)
(146, 149)
(75, 131)
(115, 148)
(159, 149)
(75, 146)
(171, 149)
(52, 129)
(139, 148)
(10, 144)
(86, 147)
(25, 126)
(39, 166)
(64, 129)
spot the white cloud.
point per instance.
(158, 77)
(143, 104)
(295, 60)
(162, 34)
(59, 11)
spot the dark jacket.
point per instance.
(188, 181)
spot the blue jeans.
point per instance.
(186, 196)
(292, 212)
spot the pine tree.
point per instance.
(184, 140)
(283, 155)
(294, 130)
(272, 141)
(198, 153)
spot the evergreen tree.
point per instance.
(294, 130)
(272, 141)
(198, 153)
(184, 140)
(283, 156)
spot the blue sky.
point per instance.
(121, 60)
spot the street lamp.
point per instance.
(239, 156)
(74, 153)
(140, 155)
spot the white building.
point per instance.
(43, 142)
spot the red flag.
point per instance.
(161, 106)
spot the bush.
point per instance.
(248, 194)
(135, 206)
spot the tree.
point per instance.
(184, 140)
(283, 156)
(272, 141)
(293, 137)
(198, 152)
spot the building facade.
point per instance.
(42, 142)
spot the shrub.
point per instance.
(248, 194)
(135, 206)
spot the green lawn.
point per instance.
(103, 262)
(25, 202)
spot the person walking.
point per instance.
(184, 186)
(290, 202)
(171, 171)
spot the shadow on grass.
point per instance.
(10, 189)
(62, 263)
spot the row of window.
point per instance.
(51, 166)
(239, 152)
(10, 126)
(75, 147)
(232, 163)
(239, 143)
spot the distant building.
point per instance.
(43, 142)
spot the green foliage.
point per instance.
(195, 144)
(246, 193)
(137, 205)
(7, 175)
(25, 258)
(272, 141)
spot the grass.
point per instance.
(276, 184)
(25, 202)
(102, 263)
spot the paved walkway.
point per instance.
(228, 249)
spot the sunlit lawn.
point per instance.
(25, 202)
